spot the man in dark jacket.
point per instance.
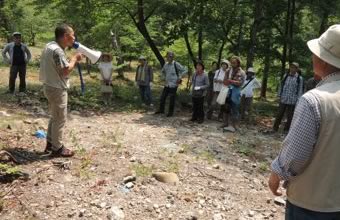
(18, 57)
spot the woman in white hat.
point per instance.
(247, 92)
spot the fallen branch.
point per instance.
(208, 175)
(6, 153)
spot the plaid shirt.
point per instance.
(289, 94)
(299, 144)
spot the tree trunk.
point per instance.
(187, 43)
(285, 41)
(253, 32)
(119, 57)
(240, 35)
(200, 44)
(220, 52)
(324, 21)
(200, 33)
(144, 31)
(266, 66)
(291, 32)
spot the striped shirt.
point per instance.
(299, 144)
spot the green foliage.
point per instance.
(7, 169)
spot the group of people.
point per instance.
(308, 162)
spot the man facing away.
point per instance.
(54, 74)
(19, 56)
(172, 72)
(309, 160)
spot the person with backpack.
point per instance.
(144, 78)
(291, 90)
(172, 72)
(247, 92)
(217, 86)
(200, 83)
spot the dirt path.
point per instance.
(222, 176)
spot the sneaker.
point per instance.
(229, 129)
(159, 112)
(169, 115)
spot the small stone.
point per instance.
(70, 215)
(115, 214)
(129, 179)
(129, 185)
(251, 213)
(279, 201)
(166, 177)
(155, 206)
(133, 159)
(82, 212)
(218, 216)
(216, 166)
(168, 206)
(103, 205)
(181, 151)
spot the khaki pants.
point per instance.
(57, 103)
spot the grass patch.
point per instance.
(142, 170)
(8, 170)
(208, 156)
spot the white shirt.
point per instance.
(219, 75)
(106, 70)
(248, 91)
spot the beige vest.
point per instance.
(317, 188)
(50, 74)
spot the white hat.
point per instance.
(251, 70)
(142, 58)
(327, 46)
(225, 61)
(295, 64)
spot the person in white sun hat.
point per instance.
(247, 92)
(310, 158)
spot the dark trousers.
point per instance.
(198, 108)
(14, 70)
(284, 108)
(296, 213)
(145, 93)
(246, 104)
(167, 91)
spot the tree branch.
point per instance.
(125, 8)
(151, 13)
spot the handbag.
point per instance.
(221, 98)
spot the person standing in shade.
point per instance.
(172, 72)
(309, 160)
(200, 83)
(144, 78)
(54, 74)
(290, 91)
(19, 56)
(210, 90)
(217, 86)
(247, 92)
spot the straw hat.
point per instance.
(327, 46)
(225, 61)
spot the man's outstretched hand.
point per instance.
(274, 184)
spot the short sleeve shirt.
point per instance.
(53, 61)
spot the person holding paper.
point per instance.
(200, 83)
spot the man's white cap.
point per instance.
(251, 70)
(327, 46)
